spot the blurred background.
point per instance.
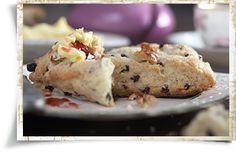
(205, 27)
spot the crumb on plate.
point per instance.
(144, 100)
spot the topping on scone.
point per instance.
(147, 54)
(78, 46)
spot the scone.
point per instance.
(75, 66)
(159, 70)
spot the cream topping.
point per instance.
(79, 45)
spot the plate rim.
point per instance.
(50, 111)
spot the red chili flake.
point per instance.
(65, 49)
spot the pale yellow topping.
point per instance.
(71, 53)
(66, 50)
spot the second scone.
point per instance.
(160, 70)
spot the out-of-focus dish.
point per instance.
(153, 24)
(46, 34)
(46, 31)
(212, 23)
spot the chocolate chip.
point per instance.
(71, 63)
(67, 94)
(123, 55)
(165, 89)
(124, 86)
(135, 78)
(50, 88)
(76, 93)
(160, 63)
(126, 69)
(47, 69)
(187, 86)
(146, 90)
(108, 96)
(31, 67)
(112, 55)
(161, 46)
(186, 55)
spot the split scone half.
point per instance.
(160, 70)
(75, 67)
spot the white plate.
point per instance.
(217, 57)
(125, 109)
(38, 47)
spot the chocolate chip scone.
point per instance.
(75, 66)
(160, 70)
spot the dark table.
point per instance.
(35, 125)
(170, 125)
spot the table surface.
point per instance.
(170, 125)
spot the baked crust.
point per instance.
(162, 71)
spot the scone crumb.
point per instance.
(133, 96)
(144, 100)
(47, 93)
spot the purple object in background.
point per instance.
(140, 22)
(163, 24)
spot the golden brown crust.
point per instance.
(177, 72)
